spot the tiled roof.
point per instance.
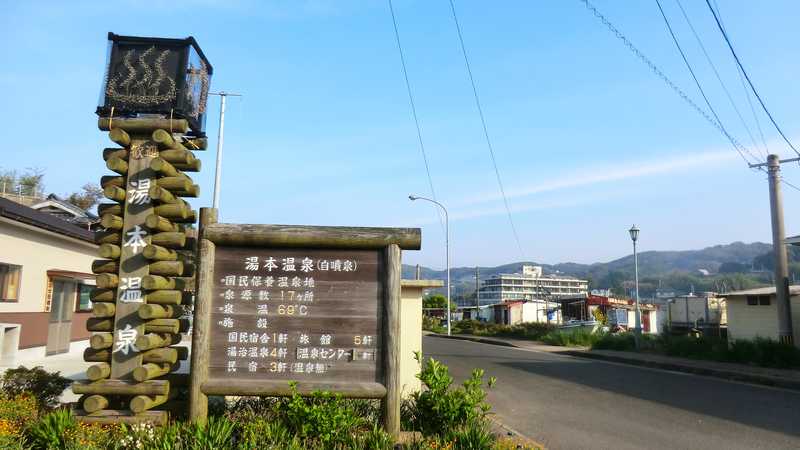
(24, 214)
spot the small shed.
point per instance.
(753, 313)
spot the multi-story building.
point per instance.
(531, 284)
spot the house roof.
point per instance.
(769, 290)
(792, 240)
(23, 214)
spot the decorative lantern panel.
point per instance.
(169, 77)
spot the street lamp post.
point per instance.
(637, 330)
(447, 248)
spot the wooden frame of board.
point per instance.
(361, 307)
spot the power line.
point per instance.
(413, 108)
(747, 77)
(719, 78)
(638, 53)
(485, 129)
(733, 141)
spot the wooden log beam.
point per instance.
(166, 326)
(175, 184)
(99, 341)
(164, 168)
(192, 166)
(148, 311)
(110, 208)
(99, 371)
(158, 253)
(108, 237)
(164, 196)
(142, 403)
(121, 153)
(120, 137)
(173, 211)
(153, 282)
(152, 370)
(174, 240)
(99, 324)
(114, 193)
(122, 387)
(160, 224)
(280, 388)
(111, 222)
(100, 310)
(143, 125)
(168, 297)
(94, 403)
(165, 355)
(157, 340)
(93, 355)
(109, 251)
(168, 268)
(177, 156)
(103, 295)
(165, 140)
(118, 165)
(107, 281)
(301, 236)
(195, 143)
(112, 180)
(105, 266)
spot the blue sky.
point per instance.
(588, 140)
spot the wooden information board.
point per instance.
(318, 306)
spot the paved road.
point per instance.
(573, 403)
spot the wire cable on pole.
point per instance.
(732, 140)
(638, 53)
(719, 78)
(485, 128)
(746, 91)
(413, 108)
(747, 77)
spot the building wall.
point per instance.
(751, 321)
(410, 338)
(38, 251)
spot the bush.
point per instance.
(433, 324)
(527, 330)
(439, 409)
(580, 337)
(616, 341)
(52, 431)
(45, 386)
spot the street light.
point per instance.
(413, 197)
(637, 330)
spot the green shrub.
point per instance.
(580, 337)
(45, 386)
(764, 352)
(616, 341)
(438, 408)
(433, 324)
(52, 431)
(215, 434)
(322, 416)
(474, 435)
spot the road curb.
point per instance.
(673, 366)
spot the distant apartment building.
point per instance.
(531, 284)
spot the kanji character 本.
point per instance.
(233, 336)
(348, 266)
(252, 366)
(136, 239)
(126, 339)
(304, 339)
(269, 264)
(226, 322)
(261, 323)
(288, 264)
(306, 265)
(231, 366)
(325, 339)
(140, 194)
(251, 263)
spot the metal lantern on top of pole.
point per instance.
(447, 249)
(637, 331)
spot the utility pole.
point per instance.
(218, 172)
(784, 308)
(477, 290)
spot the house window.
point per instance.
(752, 300)
(756, 300)
(84, 302)
(9, 282)
(763, 300)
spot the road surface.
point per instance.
(573, 403)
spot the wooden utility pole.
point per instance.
(785, 333)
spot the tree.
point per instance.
(732, 267)
(90, 196)
(31, 182)
(437, 301)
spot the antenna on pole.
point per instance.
(218, 170)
